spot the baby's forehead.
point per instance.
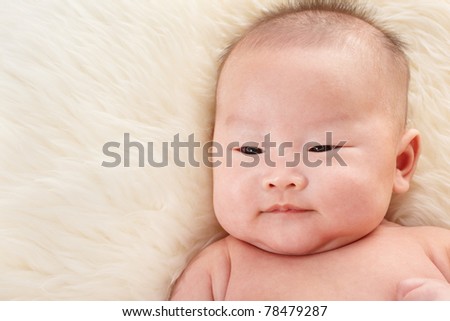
(318, 30)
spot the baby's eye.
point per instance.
(321, 148)
(250, 150)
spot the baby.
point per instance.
(305, 211)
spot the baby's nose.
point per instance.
(294, 182)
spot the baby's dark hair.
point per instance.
(338, 23)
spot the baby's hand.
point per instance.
(423, 290)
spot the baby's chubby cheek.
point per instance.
(235, 198)
(356, 186)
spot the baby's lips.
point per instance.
(285, 208)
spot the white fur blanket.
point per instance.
(75, 75)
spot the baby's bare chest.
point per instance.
(358, 272)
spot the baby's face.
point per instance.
(298, 96)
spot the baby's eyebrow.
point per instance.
(336, 116)
(234, 120)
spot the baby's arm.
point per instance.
(206, 277)
(194, 284)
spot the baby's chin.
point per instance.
(303, 248)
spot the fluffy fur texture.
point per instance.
(77, 74)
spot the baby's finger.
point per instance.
(420, 289)
(407, 286)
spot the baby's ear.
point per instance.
(407, 156)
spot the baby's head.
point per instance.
(331, 90)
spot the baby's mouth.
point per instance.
(285, 208)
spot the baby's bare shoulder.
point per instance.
(423, 234)
(206, 276)
(429, 234)
(436, 243)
